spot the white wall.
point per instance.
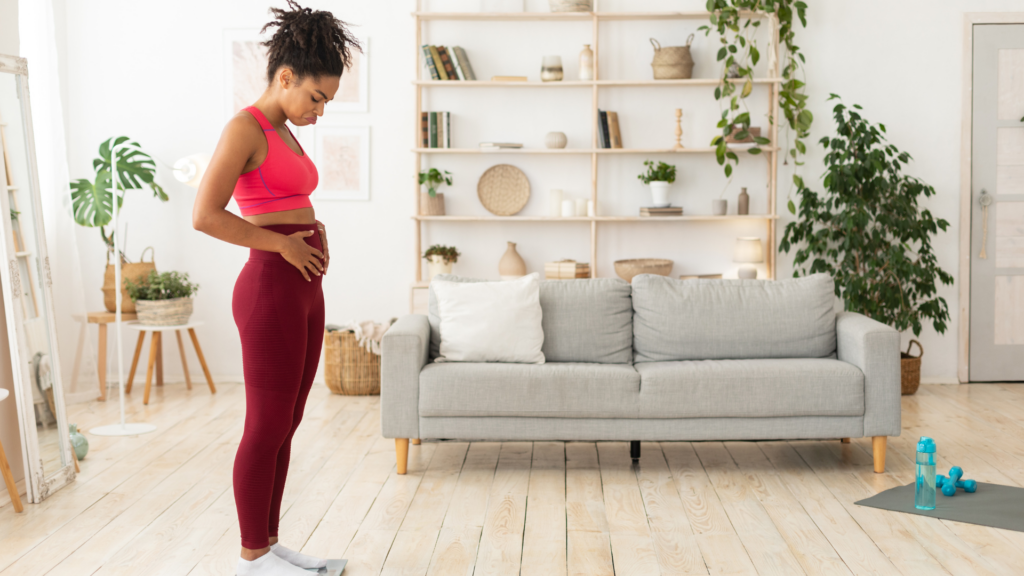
(154, 71)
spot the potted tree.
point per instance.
(432, 201)
(867, 230)
(93, 204)
(658, 177)
(440, 259)
(162, 299)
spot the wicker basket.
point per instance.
(170, 312)
(134, 270)
(349, 368)
(910, 369)
(672, 62)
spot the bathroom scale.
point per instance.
(334, 568)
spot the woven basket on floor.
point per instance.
(910, 368)
(348, 368)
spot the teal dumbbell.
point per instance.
(949, 485)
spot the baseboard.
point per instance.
(939, 380)
(91, 395)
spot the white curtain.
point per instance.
(75, 341)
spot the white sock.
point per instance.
(297, 558)
(269, 564)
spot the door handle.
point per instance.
(985, 200)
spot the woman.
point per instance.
(278, 303)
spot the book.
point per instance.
(604, 129)
(455, 63)
(438, 65)
(566, 270)
(659, 211)
(700, 276)
(428, 58)
(497, 145)
(447, 130)
(440, 130)
(433, 130)
(600, 132)
(464, 65)
(508, 78)
(446, 61)
(425, 130)
(613, 130)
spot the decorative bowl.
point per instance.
(627, 269)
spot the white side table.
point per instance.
(156, 355)
(5, 468)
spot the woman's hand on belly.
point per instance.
(323, 242)
(302, 255)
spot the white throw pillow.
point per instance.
(490, 321)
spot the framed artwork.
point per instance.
(342, 157)
(245, 69)
(354, 89)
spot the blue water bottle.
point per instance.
(924, 493)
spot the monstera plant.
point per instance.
(93, 200)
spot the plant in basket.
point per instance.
(432, 201)
(440, 259)
(163, 299)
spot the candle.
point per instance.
(568, 208)
(555, 203)
(581, 207)
(590, 208)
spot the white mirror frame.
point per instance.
(38, 486)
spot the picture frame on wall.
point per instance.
(245, 69)
(342, 157)
(353, 92)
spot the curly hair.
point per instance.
(311, 42)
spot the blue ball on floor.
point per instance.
(949, 485)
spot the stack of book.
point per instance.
(499, 145)
(435, 130)
(661, 211)
(608, 134)
(566, 270)
(447, 63)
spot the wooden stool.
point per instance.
(5, 468)
(102, 318)
(156, 355)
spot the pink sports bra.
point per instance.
(283, 181)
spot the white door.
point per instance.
(997, 204)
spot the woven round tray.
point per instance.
(503, 189)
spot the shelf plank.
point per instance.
(559, 219)
(586, 83)
(700, 150)
(574, 16)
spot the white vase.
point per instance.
(659, 193)
(719, 206)
(436, 264)
(586, 63)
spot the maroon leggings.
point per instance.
(280, 319)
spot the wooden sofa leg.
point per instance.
(844, 440)
(416, 441)
(878, 450)
(402, 454)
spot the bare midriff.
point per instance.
(297, 216)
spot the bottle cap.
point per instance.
(926, 445)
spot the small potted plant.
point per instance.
(432, 201)
(658, 177)
(162, 299)
(440, 259)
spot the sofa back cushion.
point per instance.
(733, 319)
(585, 320)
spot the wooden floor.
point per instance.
(162, 503)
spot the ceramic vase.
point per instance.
(551, 69)
(743, 202)
(431, 206)
(79, 442)
(436, 264)
(511, 265)
(659, 193)
(586, 63)
(719, 206)
(555, 140)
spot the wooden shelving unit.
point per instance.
(770, 153)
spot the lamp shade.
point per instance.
(190, 169)
(748, 250)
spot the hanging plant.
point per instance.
(739, 54)
(867, 230)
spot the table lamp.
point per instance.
(748, 251)
(190, 169)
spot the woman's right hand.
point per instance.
(302, 255)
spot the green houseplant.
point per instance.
(867, 230)
(658, 176)
(440, 259)
(162, 299)
(431, 201)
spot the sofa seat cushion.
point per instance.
(554, 389)
(750, 388)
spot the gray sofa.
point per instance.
(658, 359)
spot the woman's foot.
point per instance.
(297, 558)
(269, 564)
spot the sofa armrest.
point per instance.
(875, 349)
(404, 352)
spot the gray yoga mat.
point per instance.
(992, 505)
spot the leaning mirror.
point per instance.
(28, 296)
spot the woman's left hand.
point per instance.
(323, 242)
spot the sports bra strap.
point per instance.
(264, 123)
